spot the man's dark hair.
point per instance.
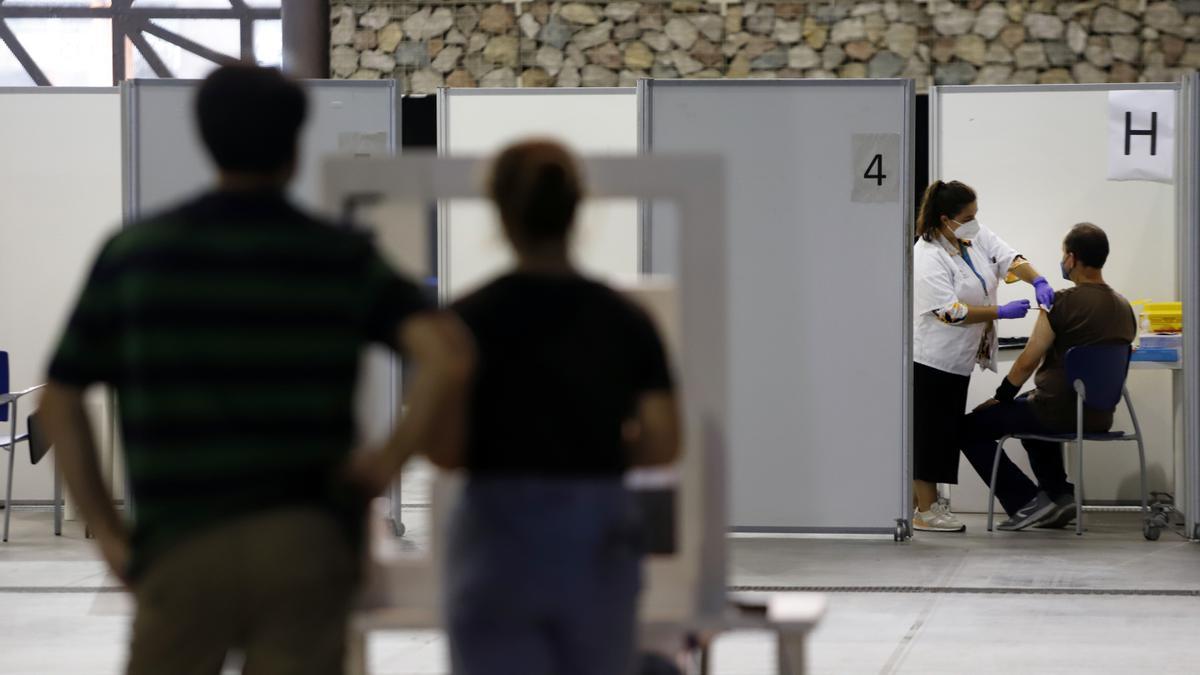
(537, 187)
(1088, 243)
(250, 118)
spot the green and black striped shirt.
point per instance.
(231, 329)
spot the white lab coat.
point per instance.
(940, 278)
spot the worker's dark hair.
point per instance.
(250, 118)
(942, 199)
(1089, 244)
(536, 186)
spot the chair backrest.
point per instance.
(4, 384)
(1101, 369)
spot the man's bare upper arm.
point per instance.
(1036, 349)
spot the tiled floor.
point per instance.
(1070, 605)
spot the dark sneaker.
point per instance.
(1061, 516)
(1038, 508)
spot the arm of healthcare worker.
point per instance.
(66, 422)
(1027, 363)
(441, 355)
(1023, 269)
(959, 314)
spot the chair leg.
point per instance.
(58, 505)
(1142, 471)
(1079, 487)
(12, 456)
(991, 506)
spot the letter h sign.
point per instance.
(1141, 134)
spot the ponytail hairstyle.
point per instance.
(536, 186)
(942, 199)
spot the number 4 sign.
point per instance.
(875, 168)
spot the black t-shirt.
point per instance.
(562, 361)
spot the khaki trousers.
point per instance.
(275, 586)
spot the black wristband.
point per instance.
(1007, 391)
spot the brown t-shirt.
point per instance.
(1088, 314)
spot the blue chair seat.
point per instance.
(1097, 374)
(1067, 438)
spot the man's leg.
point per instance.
(299, 579)
(1046, 460)
(981, 431)
(186, 617)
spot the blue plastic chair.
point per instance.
(1098, 373)
(37, 443)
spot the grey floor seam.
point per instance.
(971, 590)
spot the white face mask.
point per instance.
(968, 230)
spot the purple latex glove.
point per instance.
(1045, 294)
(1016, 309)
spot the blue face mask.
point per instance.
(1062, 265)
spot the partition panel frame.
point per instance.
(901, 529)
(1187, 194)
(696, 184)
(444, 94)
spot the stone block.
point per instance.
(901, 38)
(598, 76)
(536, 77)
(343, 61)
(848, 30)
(638, 56)
(998, 53)
(1126, 48)
(1030, 55)
(580, 13)
(424, 82)
(1012, 36)
(803, 57)
(594, 36)
(1059, 55)
(502, 50)
(460, 78)
(501, 77)
(955, 73)
(1056, 76)
(447, 60)
(994, 74)
(954, 20)
(991, 20)
(682, 32)
(1108, 20)
(711, 26)
(497, 19)
(569, 77)
(1044, 26)
(621, 11)
(1087, 73)
(886, 64)
(972, 49)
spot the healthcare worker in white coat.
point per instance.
(957, 268)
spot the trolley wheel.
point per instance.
(1151, 531)
(399, 528)
(900, 533)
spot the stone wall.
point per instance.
(540, 43)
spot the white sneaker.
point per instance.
(937, 519)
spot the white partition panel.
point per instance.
(166, 162)
(818, 253)
(60, 197)
(479, 122)
(1038, 159)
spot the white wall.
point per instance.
(1038, 161)
(589, 122)
(60, 196)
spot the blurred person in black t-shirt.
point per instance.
(572, 389)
